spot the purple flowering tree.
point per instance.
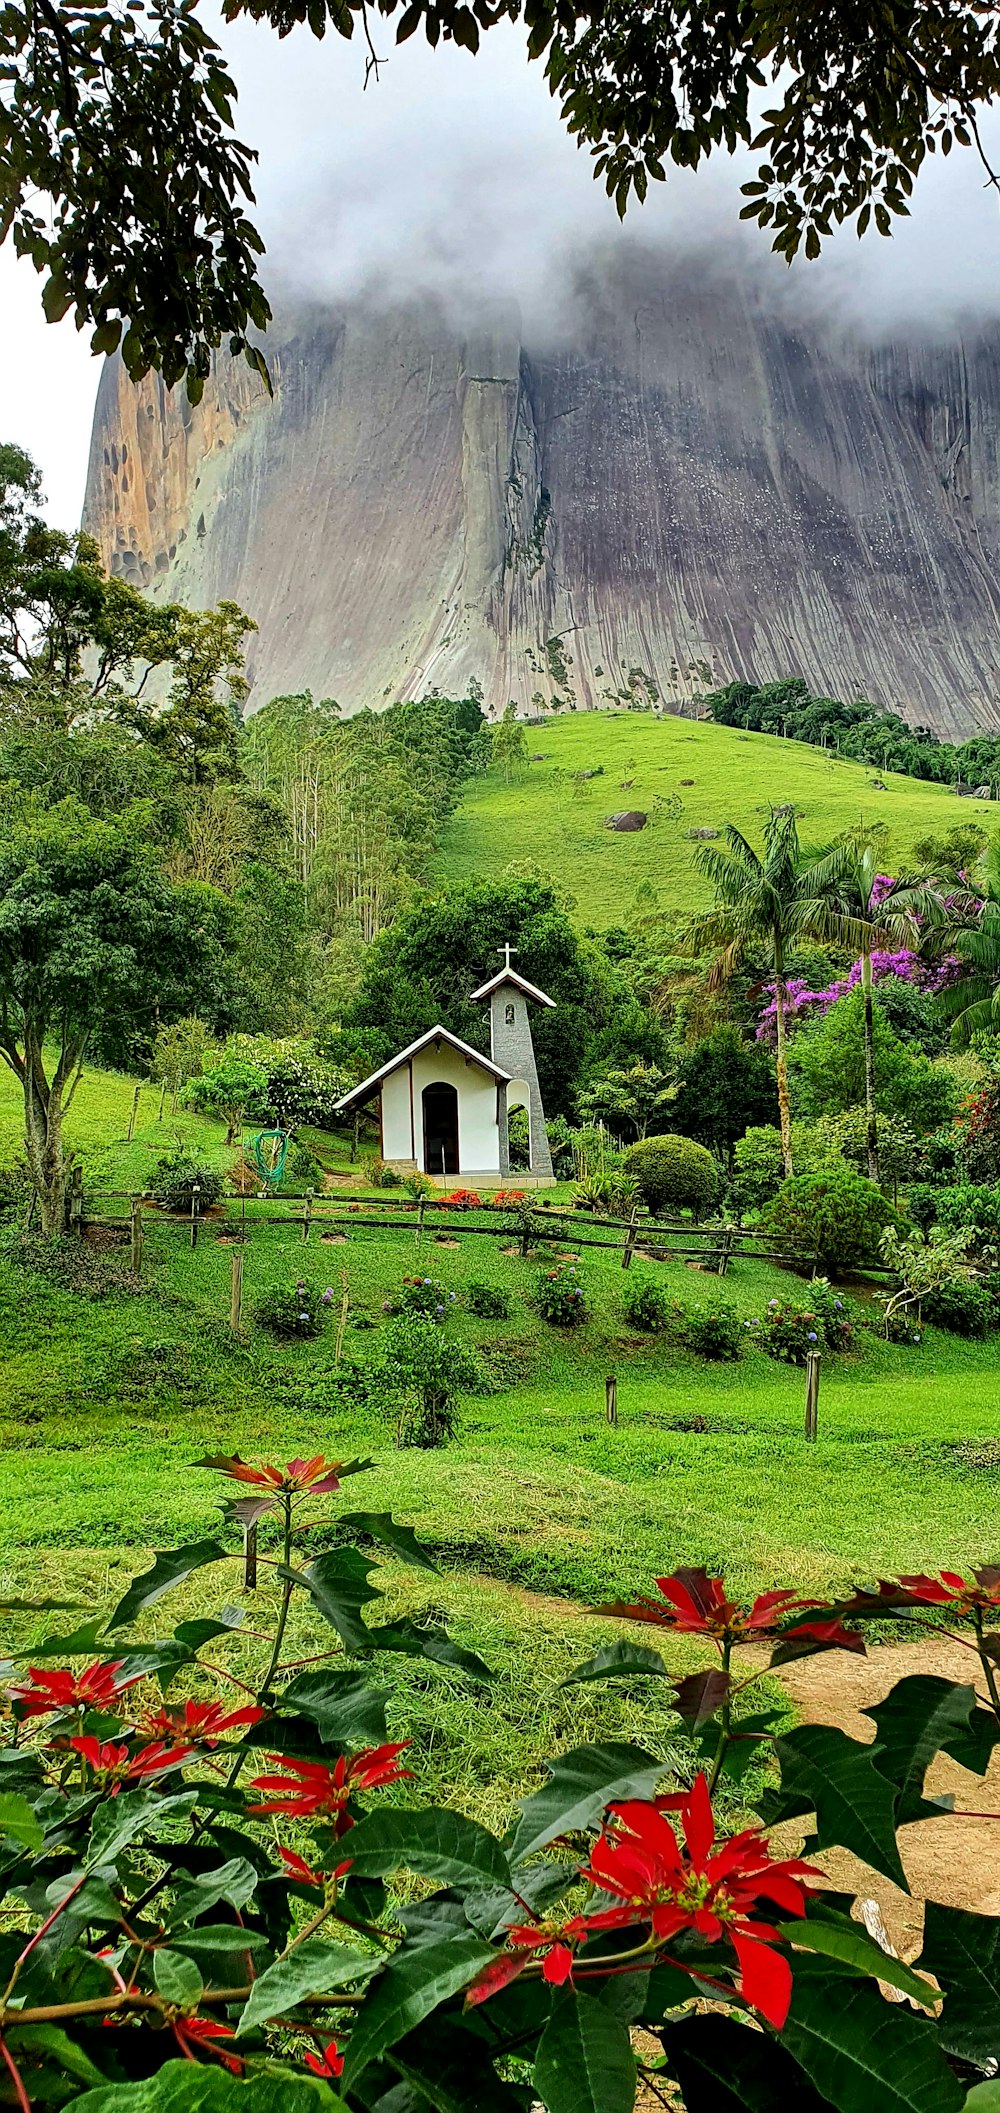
(856, 906)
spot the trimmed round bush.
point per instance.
(646, 1306)
(293, 1312)
(713, 1332)
(834, 1217)
(673, 1173)
(486, 1301)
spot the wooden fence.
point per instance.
(712, 1244)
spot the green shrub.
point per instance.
(834, 1217)
(974, 1204)
(420, 1379)
(486, 1301)
(177, 1177)
(293, 1312)
(417, 1185)
(561, 1137)
(560, 1297)
(758, 1166)
(419, 1294)
(72, 1264)
(789, 1328)
(15, 1188)
(519, 1140)
(646, 1306)
(379, 1173)
(673, 1173)
(962, 1306)
(302, 1169)
(713, 1332)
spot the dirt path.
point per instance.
(956, 1861)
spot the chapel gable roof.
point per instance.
(510, 975)
(436, 1035)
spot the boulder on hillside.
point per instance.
(631, 819)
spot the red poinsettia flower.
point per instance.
(697, 1605)
(329, 2063)
(97, 1687)
(317, 1475)
(204, 2032)
(552, 1943)
(310, 1788)
(951, 1590)
(196, 1723)
(690, 1884)
(115, 1765)
(297, 1867)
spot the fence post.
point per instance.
(306, 1215)
(135, 1229)
(163, 1095)
(630, 1239)
(611, 1398)
(420, 1221)
(725, 1250)
(132, 1117)
(812, 1394)
(250, 1558)
(344, 1304)
(195, 1193)
(76, 1200)
(236, 1293)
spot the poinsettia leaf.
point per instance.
(177, 1978)
(862, 2052)
(120, 1820)
(619, 1661)
(436, 1842)
(984, 2098)
(170, 1567)
(203, 2087)
(724, 2067)
(51, 2044)
(337, 1584)
(452, 2072)
(824, 1771)
(701, 1695)
(216, 1937)
(585, 2062)
(581, 1783)
(962, 1951)
(193, 1634)
(392, 1533)
(78, 1643)
(234, 1882)
(315, 1968)
(537, 1885)
(416, 1639)
(920, 1715)
(414, 1983)
(840, 1938)
(18, 1821)
(346, 1710)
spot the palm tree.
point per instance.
(854, 905)
(758, 910)
(974, 1001)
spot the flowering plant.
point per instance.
(296, 1311)
(789, 1331)
(462, 1200)
(560, 1297)
(425, 1295)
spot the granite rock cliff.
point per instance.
(692, 487)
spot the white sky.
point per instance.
(455, 173)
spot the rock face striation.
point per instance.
(687, 488)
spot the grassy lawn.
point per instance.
(537, 1510)
(544, 815)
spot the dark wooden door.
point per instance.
(440, 1105)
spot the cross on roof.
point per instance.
(507, 950)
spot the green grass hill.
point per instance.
(550, 815)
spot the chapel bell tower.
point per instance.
(512, 1050)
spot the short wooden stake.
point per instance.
(306, 1215)
(611, 1398)
(236, 1293)
(344, 1305)
(250, 1558)
(136, 1231)
(132, 1117)
(163, 1095)
(76, 1200)
(420, 1222)
(725, 1250)
(195, 1195)
(812, 1394)
(629, 1240)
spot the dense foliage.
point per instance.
(205, 1887)
(866, 732)
(673, 1173)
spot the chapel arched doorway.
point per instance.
(440, 1109)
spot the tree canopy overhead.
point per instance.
(123, 180)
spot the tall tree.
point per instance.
(973, 1002)
(759, 911)
(122, 179)
(91, 936)
(855, 906)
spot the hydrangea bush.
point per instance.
(222, 1889)
(560, 1296)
